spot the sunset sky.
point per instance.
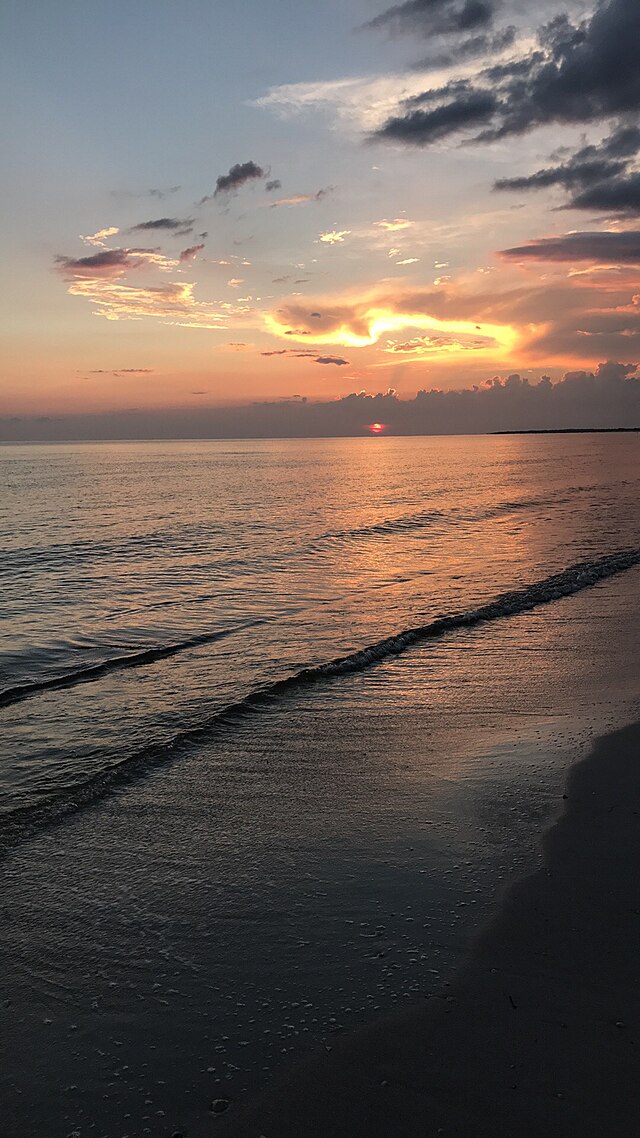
(212, 204)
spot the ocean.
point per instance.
(280, 721)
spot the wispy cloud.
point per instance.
(434, 17)
(163, 193)
(306, 354)
(303, 199)
(99, 239)
(122, 371)
(353, 104)
(395, 224)
(111, 264)
(171, 303)
(602, 247)
(190, 253)
(176, 225)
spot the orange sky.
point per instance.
(318, 234)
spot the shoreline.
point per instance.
(191, 937)
(539, 1034)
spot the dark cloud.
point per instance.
(597, 177)
(295, 353)
(190, 253)
(434, 17)
(273, 184)
(237, 177)
(608, 397)
(486, 44)
(424, 126)
(306, 355)
(583, 72)
(108, 263)
(179, 226)
(621, 195)
(598, 247)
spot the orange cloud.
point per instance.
(352, 322)
(98, 239)
(393, 226)
(111, 264)
(334, 236)
(170, 303)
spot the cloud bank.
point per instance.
(606, 398)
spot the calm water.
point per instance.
(312, 860)
(147, 587)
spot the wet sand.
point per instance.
(540, 1032)
(309, 872)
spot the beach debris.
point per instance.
(219, 1105)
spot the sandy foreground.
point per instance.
(540, 1032)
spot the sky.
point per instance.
(217, 216)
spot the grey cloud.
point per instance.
(238, 176)
(616, 196)
(190, 253)
(337, 360)
(424, 126)
(109, 262)
(583, 72)
(273, 184)
(471, 48)
(434, 17)
(179, 226)
(597, 177)
(597, 247)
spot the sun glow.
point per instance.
(366, 326)
(376, 428)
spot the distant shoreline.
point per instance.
(300, 438)
(571, 431)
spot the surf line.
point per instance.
(582, 575)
